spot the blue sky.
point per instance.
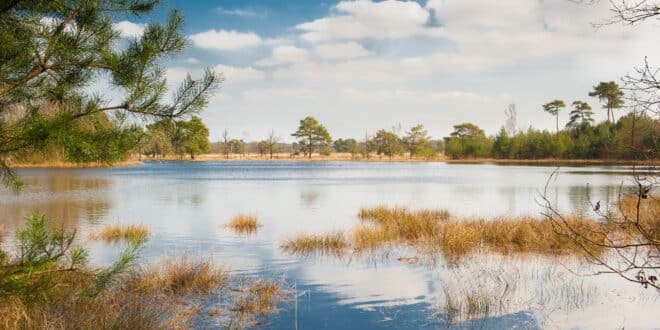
(364, 65)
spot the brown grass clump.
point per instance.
(327, 244)
(365, 238)
(180, 276)
(404, 224)
(114, 233)
(244, 224)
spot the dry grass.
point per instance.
(401, 223)
(436, 232)
(172, 294)
(114, 233)
(244, 224)
(333, 243)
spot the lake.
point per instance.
(186, 205)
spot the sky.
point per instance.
(359, 66)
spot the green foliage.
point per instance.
(45, 260)
(611, 95)
(634, 136)
(387, 143)
(346, 145)
(553, 108)
(53, 50)
(179, 137)
(312, 136)
(467, 141)
(580, 114)
(416, 142)
(193, 137)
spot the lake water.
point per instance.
(185, 205)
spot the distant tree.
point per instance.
(237, 146)
(467, 140)
(416, 141)
(388, 143)
(225, 147)
(52, 51)
(312, 136)
(270, 143)
(194, 136)
(611, 95)
(553, 108)
(580, 114)
(346, 145)
(366, 147)
(160, 138)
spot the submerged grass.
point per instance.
(244, 224)
(333, 243)
(115, 233)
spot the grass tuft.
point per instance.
(244, 224)
(115, 233)
(333, 243)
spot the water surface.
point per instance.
(185, 205)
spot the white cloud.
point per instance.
(225, 40)
(190, 60)
(337, 51)
(129, 29)
(236, 74)
(412, 96)
(238, 12)
(366, 19)
(285, 55)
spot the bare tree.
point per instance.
(511, 123)
(270, 143)
(226, 147)
(630, 12)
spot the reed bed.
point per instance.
(333, 243)
(244, 224)
(115, 233)
(455, 238)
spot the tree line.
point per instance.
(633, 136)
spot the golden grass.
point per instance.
(244, 224)
(114, 233)
(180, 276)
(437, 232)
(172, 294)
(333, 243)
(401, 223)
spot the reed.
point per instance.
(115, 233)
(244, 224)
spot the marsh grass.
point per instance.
(333, 243)
(434, 232)
(244, 224)
(172, 294)
(115, 233)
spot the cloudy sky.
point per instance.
(363, 65)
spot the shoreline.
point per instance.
(344, 157)
(67, 165)
(340, 157)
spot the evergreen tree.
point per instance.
(416, 140)
(553, 108)
(53, 50)
(611, 95)
(580, 114)
(312, 135)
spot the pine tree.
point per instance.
(53, 50)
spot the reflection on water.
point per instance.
(186, 205)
